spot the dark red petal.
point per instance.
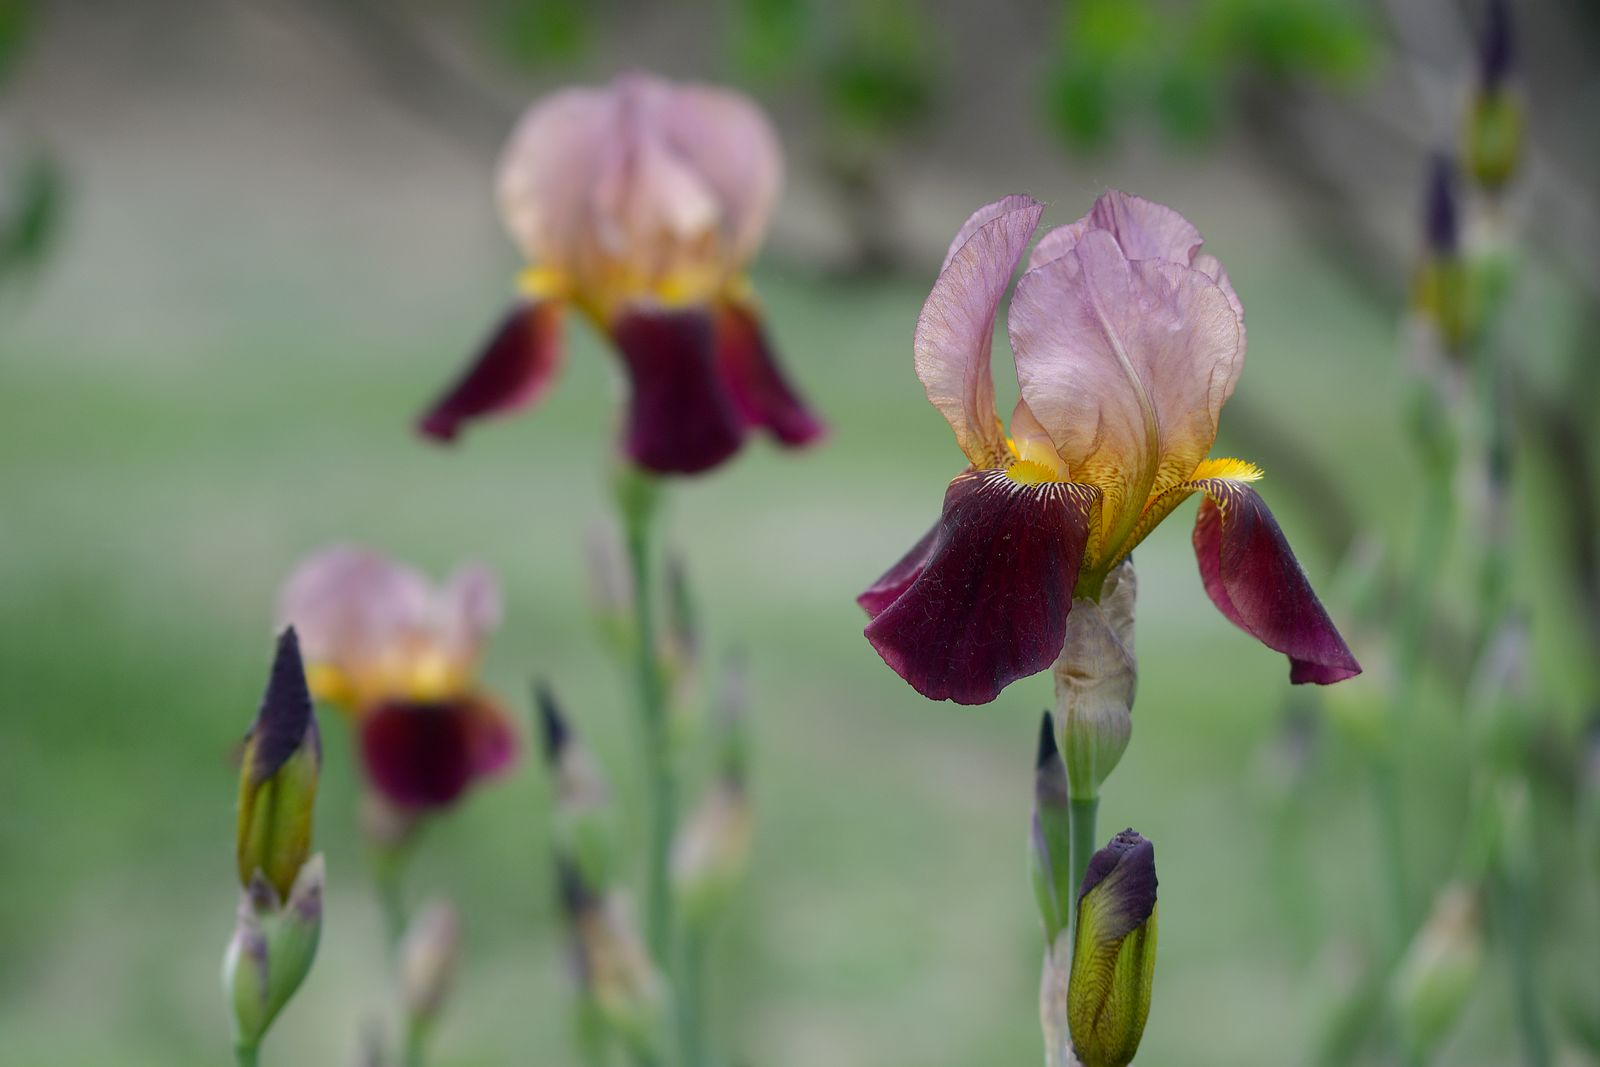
(897, 579)
(419, 755)
(759, 390)
(681, 419)
(1254, 579)
(492, 738)
(516, 365)
(990, 606)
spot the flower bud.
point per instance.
(428, 958)
(1439, 969)
(1443, 290)
(610, 588)
(1114, 953)
(1050, 843)
(712, 851)
(615, 973)
(271, 950)
(1495, 127)
(1095, 677)
(583, 830)
(278, 779)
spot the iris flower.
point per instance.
(640, 204)
(1127, 340)
(399, 657)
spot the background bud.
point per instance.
(278, 779)
(428, 958)
(583, 831)
(271, 951)
(1050, 842)
(616, 974)
(1114, 953)
(1095, 677)
(1440, 968)
(712, 850)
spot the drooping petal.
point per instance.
(681, 419)
(1126, 364)
(515, 367)
(898, 578)
(990, 605)
(350, 606)
(1254, 579)
(424, 755)
(757, 385)
(956, 328)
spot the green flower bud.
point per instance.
(272, 949)
(1095, 676)
(617, 979)
(1440, 969)
(1050, 842)
(1494, 137)
(712, 852)
(278, 779)
(1114, 953)
(584, 834)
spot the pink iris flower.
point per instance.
(1128, 340)
(399, 657)
(640, 204)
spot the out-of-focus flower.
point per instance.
(1440, 968)
(279, 920)
(641, 203)
(400, 658)
(278, 777)
(1114, 953)
(1443, 291)
(1128, 339)
(429, 955)
(1494, 121)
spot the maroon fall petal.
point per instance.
(1253, 578)
(420, 755)
(757, 384)
(990, 605)
(515, 367)
(680, 418)
(897, 579)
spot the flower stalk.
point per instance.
(638, 497)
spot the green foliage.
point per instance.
(1180, 61)
(15, 17)
(30, 216)
(770, 38)
(882, 74)
(534, 33)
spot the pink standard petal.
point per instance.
(348, 604)
(990, 604)
(728, 140)
(1254, 579)
(757, 385)
(681, 418)
(956, 328)
(514, 368)
(547, 171)
(1126, 365)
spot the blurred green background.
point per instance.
(266, 239)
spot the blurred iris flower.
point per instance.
(1127, 340)
(399, 656)
(641, 203)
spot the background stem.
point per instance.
(691, 999)
(246, 1055)
(638, 514)
(1080, 820)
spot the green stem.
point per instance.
(246, 1055)
(1391, 851)
(1080, 822)
(638, 512)
(1521, 934)
(413, 1047)
(691, 1000)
